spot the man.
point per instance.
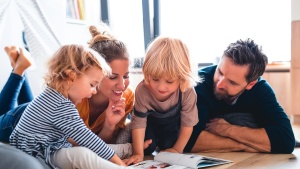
(237, 109)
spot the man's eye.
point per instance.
(233, 83)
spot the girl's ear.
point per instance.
(71, 76)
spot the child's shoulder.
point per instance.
(189, 93)
(141, 87)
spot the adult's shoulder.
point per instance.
(207, 71)
(128, 92)
(207, 79)
(262, 86)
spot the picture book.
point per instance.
(179, 161)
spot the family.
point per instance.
(79, 120)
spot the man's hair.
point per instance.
(248, 53)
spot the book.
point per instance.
(179, 161)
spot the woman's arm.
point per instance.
(114, 113)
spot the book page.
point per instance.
(189, 160)
(151, 164)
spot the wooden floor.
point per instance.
(242, 160)
(296, 129)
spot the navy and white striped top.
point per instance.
(47, 123)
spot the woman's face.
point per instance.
(113, 87)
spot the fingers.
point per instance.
(119, 106)
(147, 143)
(132, 160)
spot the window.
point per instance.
(208, 27)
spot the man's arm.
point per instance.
(254, 138)
(209, 142)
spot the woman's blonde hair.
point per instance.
(69, 60)
(170, 57)
(106, 45)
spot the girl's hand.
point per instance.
(115, 112)
(133, 159)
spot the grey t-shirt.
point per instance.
(145, 102)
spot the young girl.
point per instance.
(48, 121)
(165, 101)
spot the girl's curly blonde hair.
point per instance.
(72, 59)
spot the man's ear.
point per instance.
(251, 84)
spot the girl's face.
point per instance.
(113, 87)
(85, 85)
(163, 87)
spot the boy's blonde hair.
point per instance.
(170, 57)
(72, 59)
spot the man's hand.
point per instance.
(218, 126)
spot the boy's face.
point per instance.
(230, 79)
(163, 87)
(85, 85)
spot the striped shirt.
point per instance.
(47, 123)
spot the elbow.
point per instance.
(286, 148)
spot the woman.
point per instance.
(113, 92)
(104, 113)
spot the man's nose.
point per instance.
(221, 83)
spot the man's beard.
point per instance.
(225, 95)
(221, 96)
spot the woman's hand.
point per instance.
(115, 112)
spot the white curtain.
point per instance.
(28, 16)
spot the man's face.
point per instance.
(230, 79)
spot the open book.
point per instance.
(179, 161)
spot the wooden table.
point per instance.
(242, 160)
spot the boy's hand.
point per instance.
(171, 150)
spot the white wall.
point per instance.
(67, 32)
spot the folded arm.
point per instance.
(254, 138)
(209, 142)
